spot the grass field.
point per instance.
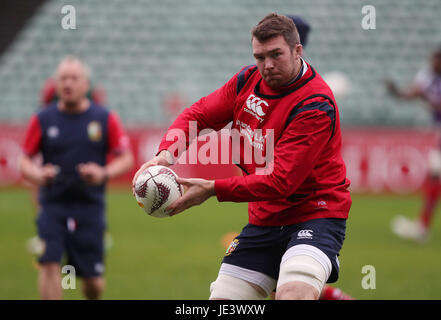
(177, 258)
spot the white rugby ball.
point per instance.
(155, 189)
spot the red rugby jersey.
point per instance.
(307, 177)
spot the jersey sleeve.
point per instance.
(118, 140)
(33, 136)
(214, 111)
(295, 155)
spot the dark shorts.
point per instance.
(75, 231)
(261, 248)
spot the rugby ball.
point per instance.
(155, 189)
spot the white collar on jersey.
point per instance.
(304, 66)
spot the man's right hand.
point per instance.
(164, 158)
(47, 174)
(391, 87)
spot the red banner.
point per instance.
(392, 160)
(377, 160)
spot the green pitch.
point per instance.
(178, 257)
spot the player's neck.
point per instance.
(297, 71)
(74, 107)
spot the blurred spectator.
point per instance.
(48, 95)
(74, 136)
(426, 87)
(303, 28)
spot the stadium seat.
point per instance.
(142, 51)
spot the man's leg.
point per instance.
(333, 293)
(231, 288)
(328, 293)
(93, 287)
(237, 283)
(418, 229)
(85, 250)
(51, 246)
(49, 281)
(432, 190)
(431, 196)
(226, 240)
(297, 290)
(303, 273)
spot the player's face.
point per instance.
(72, 82)
(277, 62)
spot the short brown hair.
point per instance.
(273, 25)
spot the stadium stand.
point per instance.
(144, 51)
(9, 28)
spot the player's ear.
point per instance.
(298, 50)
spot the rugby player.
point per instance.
(426, 87)
(299, 201)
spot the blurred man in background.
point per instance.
(48, 95)
(426, 87)
(75, 136)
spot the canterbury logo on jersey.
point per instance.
(305, 234)
(254, 106)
